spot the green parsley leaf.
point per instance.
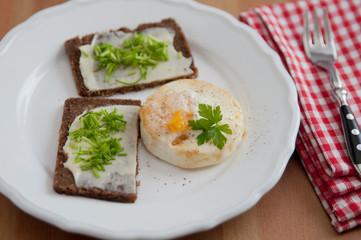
(209, 124)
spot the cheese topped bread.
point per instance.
(166, 130)
(126, 60)
(97, 154)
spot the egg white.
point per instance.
(181, 148)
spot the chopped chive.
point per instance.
(131, 83)
(99, 167)
(87, 140)
(84, 53)
(131, 73)
(85, 166)
(146, 74)
(95, 172)
(138, 51)
(96, 129)
(97, 50)
(180, 55)
(73, 145)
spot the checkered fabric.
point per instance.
(320, 143)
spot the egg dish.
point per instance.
(191, 123)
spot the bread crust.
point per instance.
(72, 48)
(64, 182)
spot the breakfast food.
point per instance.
(130, 60)
(97, 152)
(191, 123)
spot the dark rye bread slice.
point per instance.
(72, 48)
(63, 178)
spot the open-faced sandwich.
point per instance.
(123, 60)
(98, 146)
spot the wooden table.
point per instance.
(291, 210)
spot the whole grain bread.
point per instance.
(180, 44)
(63, 178)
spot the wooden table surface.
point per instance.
(291, 210)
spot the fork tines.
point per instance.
(318, 41)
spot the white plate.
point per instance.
(172, 202)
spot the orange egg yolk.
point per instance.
(179, 123)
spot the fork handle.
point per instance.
(352, 136)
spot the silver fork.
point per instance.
(322, 52)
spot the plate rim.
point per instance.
(19, 200)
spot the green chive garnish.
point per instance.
(139, 51)
(85, 54)
(96, 129)
(73, 145)
(95, 172)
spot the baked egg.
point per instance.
(165, 127)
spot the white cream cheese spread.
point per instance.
(120, 175)
(94, 80)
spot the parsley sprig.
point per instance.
(139, 52)
(96, 129)
(209, 124)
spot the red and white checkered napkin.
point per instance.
(320, 142)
